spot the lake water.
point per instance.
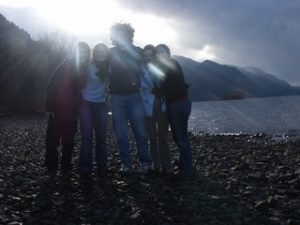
(274, 115)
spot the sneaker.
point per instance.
(66, 176)
(145, 169)
(126, 170)
(182, 178)
(156, 171)
(101, 174)
(52, 175)
(167, 172)
(86, 177)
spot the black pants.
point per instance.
(60, 128)
(157, 128)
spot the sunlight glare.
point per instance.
(155, 70)
(17, 3)
(93, 18)
(96, 17)
(80, 17)
(205, 53)
(152, 29)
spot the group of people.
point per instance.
(144, 88)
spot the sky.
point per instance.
(250, 33)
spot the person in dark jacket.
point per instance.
(175, 90)
(62, 100)
(126, 99)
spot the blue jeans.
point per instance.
(130, 108)
(179, 113)
(93, 116)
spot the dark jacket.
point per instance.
(63, 91)
(173, 85)
(125, 70)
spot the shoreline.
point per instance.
(291, 135)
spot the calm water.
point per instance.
(275, 115)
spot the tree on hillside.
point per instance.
(26, 65)
(59, 44)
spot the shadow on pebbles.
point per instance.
(244, 179)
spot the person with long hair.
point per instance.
(155, 113)
(175, 90)
(93, 113)
(62, 100)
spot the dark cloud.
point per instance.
(261, 33)
(258, 33)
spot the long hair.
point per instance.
(149, 47)
(164, 46)
(82, 45)
(98, 47)
(102, 66)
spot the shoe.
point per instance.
(182, 178)
(86, 177)
(66, 176)
(145, 169)
(126, 170)
(156, 171)
(52, 175)
(101, 174)
(167, 172)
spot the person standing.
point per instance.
(126, 99)
(178, 106)
(155, 112)
(93, 114)
(62, 99)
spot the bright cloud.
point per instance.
(256, 33)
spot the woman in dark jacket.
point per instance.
(174, 88)
(62, 99)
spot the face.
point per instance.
(101, 54)
(162, 53)
(121, 40)
(83, 55)
(148, 55)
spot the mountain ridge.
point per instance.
(213, 81)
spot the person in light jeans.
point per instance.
(155, 113)
(126, 99)
(93, 113)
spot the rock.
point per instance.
(239, 179)
(15, 223)
(297, 171)
(272, 201)
(275, 220)
(261, 205)
(136, 215)
(255, 175)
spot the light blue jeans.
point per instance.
(130, 108)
